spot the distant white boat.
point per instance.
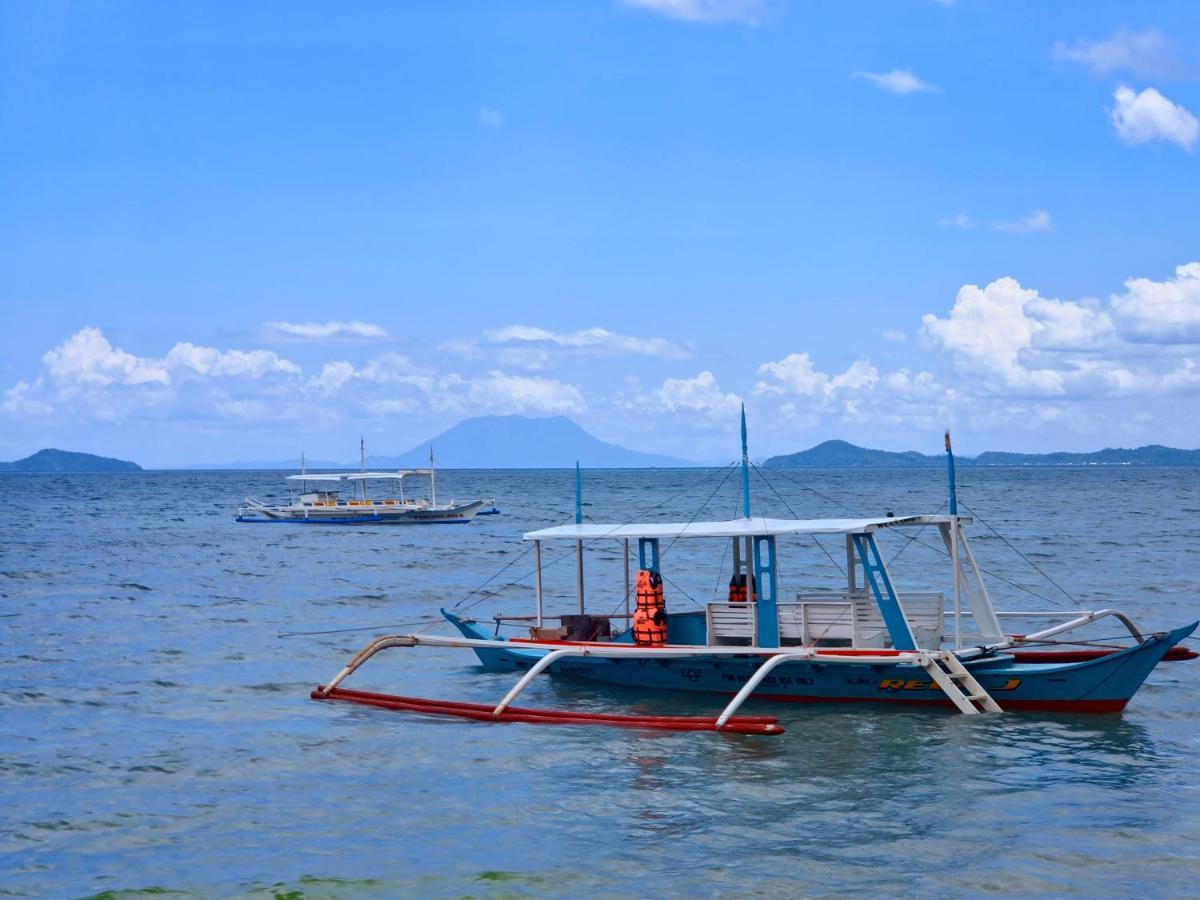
(320, 501)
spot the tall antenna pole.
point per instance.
(950, 477)
(745, 468)
(303, 471)
(579, 543)
(578, 495)
(362, 465)
(432, 479)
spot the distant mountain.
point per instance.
(1152, 455)
(521, 442)
(67, 461)
(843, 455)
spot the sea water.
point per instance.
(156, 731)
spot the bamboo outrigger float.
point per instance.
(867, 643)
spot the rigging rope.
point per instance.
(636, 516)
(794, 516)
(1020, 554)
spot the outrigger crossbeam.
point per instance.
(943, 667)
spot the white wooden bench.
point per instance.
(809, 622)
(731, 624)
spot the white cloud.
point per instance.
(334, 376)
(1037, 221)
(230, 363)
(88, 359)
(747, 12)
(896, 337)
(796, 374)
(1149, 116)
(958, 220)
(1140, 52)
(498, 392)
(591, 339)
(490, 117)
(987, 331)
(897, 81)
(324, 331)
(700, 394)
(1161, 311)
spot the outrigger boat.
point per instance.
(319, 500)
(870, 642)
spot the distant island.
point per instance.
(51, 460)
(843, 455)
(497, 442)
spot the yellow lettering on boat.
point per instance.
(891, 684)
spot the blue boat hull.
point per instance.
(1100, 685)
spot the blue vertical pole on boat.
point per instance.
(950, 477)
(745, 468)
(579, 543)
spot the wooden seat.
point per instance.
(731, 624)
(810, 622)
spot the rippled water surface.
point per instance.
(155, 730)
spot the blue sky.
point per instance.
(235, 231)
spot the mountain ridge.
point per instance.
(842, 454)
(497, 442)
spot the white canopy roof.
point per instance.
(757, 525)
(360, 476)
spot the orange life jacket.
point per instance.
(737, 588)
(650, 617)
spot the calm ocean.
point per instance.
(156, 732)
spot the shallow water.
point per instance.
(156, 732)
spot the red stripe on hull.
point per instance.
(1083, 706)
(1175, 654)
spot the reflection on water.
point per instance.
(156, 732)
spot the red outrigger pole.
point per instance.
(486, 712)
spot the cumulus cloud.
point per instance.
(325, 331)
(1139, 52)
(700, 394)
(746, 12)
(1036, 221)
(796, 374)
(499, 392)
(588, 339)
(987, 332)
(1017, 342)
(87, 358)
(230, 363)
(1161, 311)
(1149, 116)
(897, 81)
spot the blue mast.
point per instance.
(950, 477)
(745, 468)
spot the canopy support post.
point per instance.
(537, 557)
(885, 595)
(628, 613)
(766, 582)
(579, 543)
